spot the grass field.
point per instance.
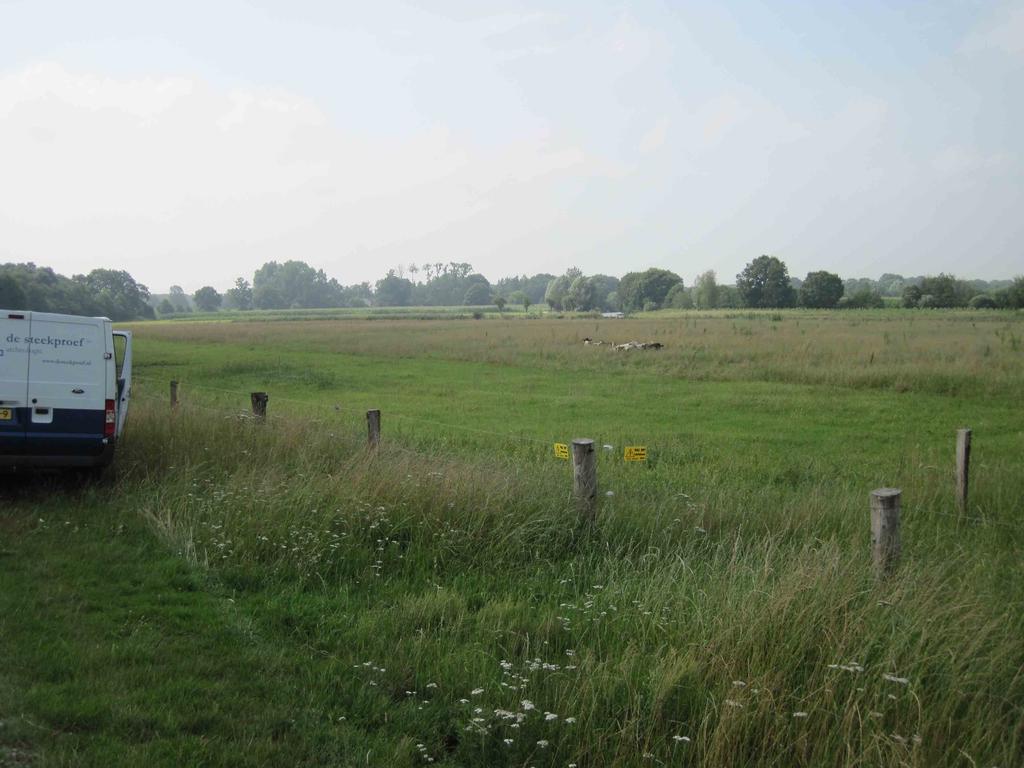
(272, 594)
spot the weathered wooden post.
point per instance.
(963, 466)
(584, 477)
(373, 428)
(259, 405)
(174, 394)
(885, 529)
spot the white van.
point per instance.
(65, 382)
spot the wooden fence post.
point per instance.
(259, 405)
(584, 477)
(885, 529)
(174, 394)
(963, 466)
(373, 428)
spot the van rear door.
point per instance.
(70, 375)
(14, 330)
(123, 357)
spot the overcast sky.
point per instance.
(189, 142)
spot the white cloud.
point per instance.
(172, 177)
(1002, 32)
(956, 160)
(654, 139)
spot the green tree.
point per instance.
(1010, 296)
(911, 297)
(582, 294)
(534, 287)
(179, 299)
(982, 301)
(239, 297)
(43, 290)
(942, 289)
(629, 293)
(357, 295)
(117, 292)
(166, 308)
(679, 297)
(268, 297)
(729, 297)
(12, 295)
(603, 287)
(1014, 294)
(477, 295)
(298, 284)
(558, 288)
(642, 289)
(865, 298)
(764, 283)
(500, 302)
(821, 290)
(207, 299)
(656, 283)
(393, 291)
(706, 290)
(891, 284)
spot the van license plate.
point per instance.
(6, 414)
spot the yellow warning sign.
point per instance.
(561, 451)
(635, 453)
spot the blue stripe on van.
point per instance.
(72, 432)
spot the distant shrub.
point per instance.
(982, 301)
(478, 315)
(865, 299)
(911, 297)
(650, 306)
(679, 297)
(928, 301)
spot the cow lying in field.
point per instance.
(627, 346)
(639, 345)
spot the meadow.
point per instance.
(247, 593)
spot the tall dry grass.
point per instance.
(712, 626)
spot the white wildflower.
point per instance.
(894, 679)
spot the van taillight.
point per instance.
(108, 426)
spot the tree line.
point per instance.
(763, 283)
(103, 292)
